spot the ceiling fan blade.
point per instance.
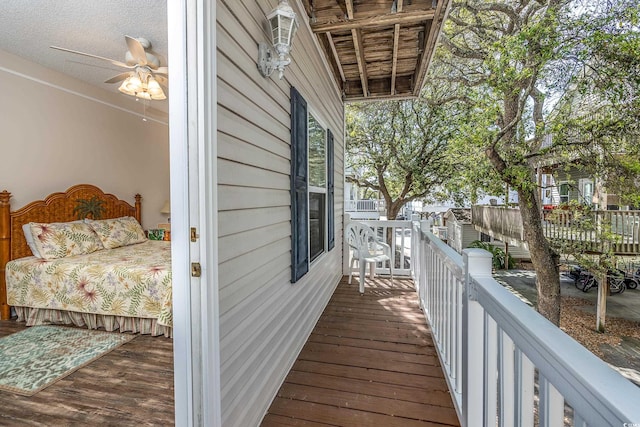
(136, 49)
(161, 70)
(113, 61)
(162, 80)
(118, 78)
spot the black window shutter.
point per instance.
(299, 201)
(330, 191)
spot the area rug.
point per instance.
(37, 357)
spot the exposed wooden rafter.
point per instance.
(362, 65)
(394, 59)
(388, 19)
(335, 56)
(359, 50)
(430, 37)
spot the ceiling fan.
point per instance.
(146, 77)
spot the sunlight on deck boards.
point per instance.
(370, 361)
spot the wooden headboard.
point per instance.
(57, 207)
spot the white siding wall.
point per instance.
(469, 234)
(265, 319)
(516, 252)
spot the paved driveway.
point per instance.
(625, 358)
(625, 305)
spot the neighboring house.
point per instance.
(461, 232)
(358, 207)
(266, 229)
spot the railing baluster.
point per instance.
(459, 335)
(524, 391)
(507, 381)
(490, 370)
(551, 405)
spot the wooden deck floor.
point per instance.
(130, 386)
(370, 361)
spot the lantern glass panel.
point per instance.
(275, 29)
(285, 30)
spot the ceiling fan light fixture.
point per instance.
(142, 85)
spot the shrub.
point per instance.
(497, 253)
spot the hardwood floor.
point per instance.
(130, 386)
(370, 361)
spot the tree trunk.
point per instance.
(544, 259)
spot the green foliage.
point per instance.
(93, 208)
(400, 148)
(497, 253)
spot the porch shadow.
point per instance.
(370, 361)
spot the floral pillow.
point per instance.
(63, 239)
(118, 231)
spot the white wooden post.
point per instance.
(345, 247)
(601, 305)
(477, 263)
(426, 225)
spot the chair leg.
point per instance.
(363, 266)
(351, 265)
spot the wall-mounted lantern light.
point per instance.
(282, 26)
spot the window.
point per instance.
(317, 187)
(586, 191)
(312, 188)
(563, 190)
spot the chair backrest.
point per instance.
(359, 236)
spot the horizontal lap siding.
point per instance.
(265, 319)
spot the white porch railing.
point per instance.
(398, 235)
(363, 205)
(506, 365)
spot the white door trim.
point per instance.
(192, 130)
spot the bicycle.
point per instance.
(586, 281)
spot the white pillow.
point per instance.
(26, 229)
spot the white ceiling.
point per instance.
(98, 27)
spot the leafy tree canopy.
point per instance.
(399, 148)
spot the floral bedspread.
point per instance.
(133, 281)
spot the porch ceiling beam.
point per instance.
(358, 50)
(430, 33)
(362, 65)
(394, 60)
(349, 5)
(396, 40)
(335, 56)
(386, 20)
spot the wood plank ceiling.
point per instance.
(378, 49)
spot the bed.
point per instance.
(98, 281)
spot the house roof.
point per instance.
(460, 214)
(377, 49)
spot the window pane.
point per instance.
(316, 224)
(317, 154)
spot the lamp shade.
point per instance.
(143, 85)
(166, 208)
(282, 27)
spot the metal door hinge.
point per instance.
(196, 269)
(194, 234)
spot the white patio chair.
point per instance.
(367, 248)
